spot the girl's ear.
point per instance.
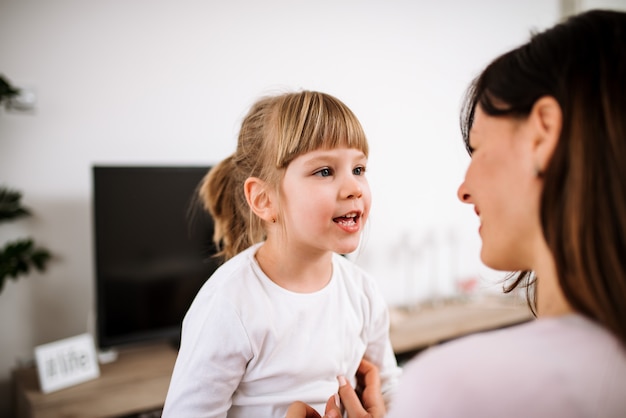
(259, 199)
(546, 118)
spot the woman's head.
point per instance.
(276, 130)
(581, 66)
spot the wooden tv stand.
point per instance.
(414, 330)
(136, 382)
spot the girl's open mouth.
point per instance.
(349, 219)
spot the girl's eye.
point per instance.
(358, 171)
(324, 172)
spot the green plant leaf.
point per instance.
(11, 205)
(18, 257)
(6, 89)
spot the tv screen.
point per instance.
(153, 251)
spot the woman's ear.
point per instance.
(546, 118)
(259, 199)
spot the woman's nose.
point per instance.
(463, 194)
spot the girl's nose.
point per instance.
(352, 189)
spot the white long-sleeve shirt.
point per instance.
(562, 367)
(250, 348)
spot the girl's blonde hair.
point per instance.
(276, 130)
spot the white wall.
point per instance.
(138, 81)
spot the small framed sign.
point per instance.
(66, 362)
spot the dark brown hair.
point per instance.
(581, 62)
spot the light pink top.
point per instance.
(554, 367)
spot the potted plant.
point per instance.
(17, 257)
(7, 91)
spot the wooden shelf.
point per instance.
(418, 328)
(136, 382)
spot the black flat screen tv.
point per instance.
(153, 251)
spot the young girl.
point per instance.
(286, 204)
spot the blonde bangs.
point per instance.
(309, 121)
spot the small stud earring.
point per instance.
(273, 220)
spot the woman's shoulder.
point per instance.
(544, 363)
(546, 340)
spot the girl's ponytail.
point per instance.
(222, 195)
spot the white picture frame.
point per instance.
(66, 362)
